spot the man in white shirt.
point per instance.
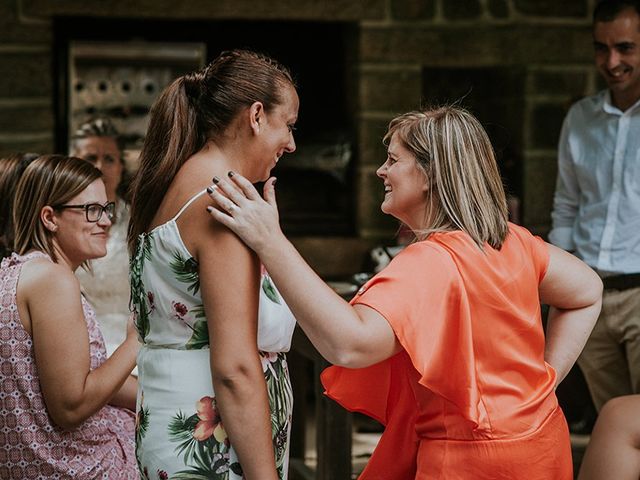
(596, 212)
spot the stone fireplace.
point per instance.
(517, 64)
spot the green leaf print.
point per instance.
(202, 442)
(280, 401)
(181, 430)
(200, 337)
(269, 290)
(192, 474)
(142, 423)
(138, 301)
(186, 271)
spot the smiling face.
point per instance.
(405, 185)
(276, 133)
(104, 154)
(617, 56)
(76, 239)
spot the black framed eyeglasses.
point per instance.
(93, 211)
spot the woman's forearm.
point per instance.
(332, 325)
(126, 396)
(100, 387)
(567, 333)
(244, 407)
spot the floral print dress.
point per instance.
(179, 431)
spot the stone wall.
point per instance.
(397, 40)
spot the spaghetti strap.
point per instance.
(186, 205)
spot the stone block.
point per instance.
(539, 187)
(371, 132)
(21, 144)
(13, 31)
(336, 10)
(498, 8)
(479, 45)
(25, 119)
(462, 9)
(370, 219)
(25, 74)
(546, 122)
(559, 82)
(553, 8)
(413, 10)
(390, 90)
(334, 257)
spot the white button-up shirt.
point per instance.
(596, 208)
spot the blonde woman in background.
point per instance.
(106, 284)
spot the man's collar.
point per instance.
(609, 107)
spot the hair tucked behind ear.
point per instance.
(466, 191)
(195, 108)
(48, 180)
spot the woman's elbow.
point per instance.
(595, 289)
(67, 419)
(354, 358)
(67, 413)
(237, 376)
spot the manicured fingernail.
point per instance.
(209, 189)
(216, 180)
(274, 182)
(230, 174)
(209, 208)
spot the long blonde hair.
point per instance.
(466, 191)
(48, 180)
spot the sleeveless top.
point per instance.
(179, 430)
(31, 445)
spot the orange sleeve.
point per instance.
(536, 246)
(415, 294)
(422, 297)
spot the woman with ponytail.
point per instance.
(214, 397)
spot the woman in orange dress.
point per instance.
(445, 346)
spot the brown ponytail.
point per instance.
(193, 109)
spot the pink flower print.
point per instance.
(162, 475)
(210, 422)
(267, 359)
(151, 300)
(180, 308)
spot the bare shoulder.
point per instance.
(44, 278)
(204, 236)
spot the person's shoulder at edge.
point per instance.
(588, 104)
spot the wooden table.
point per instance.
(332, 422)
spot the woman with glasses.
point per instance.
(106, 285)
(69, 408)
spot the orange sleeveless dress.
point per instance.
(470, 397)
